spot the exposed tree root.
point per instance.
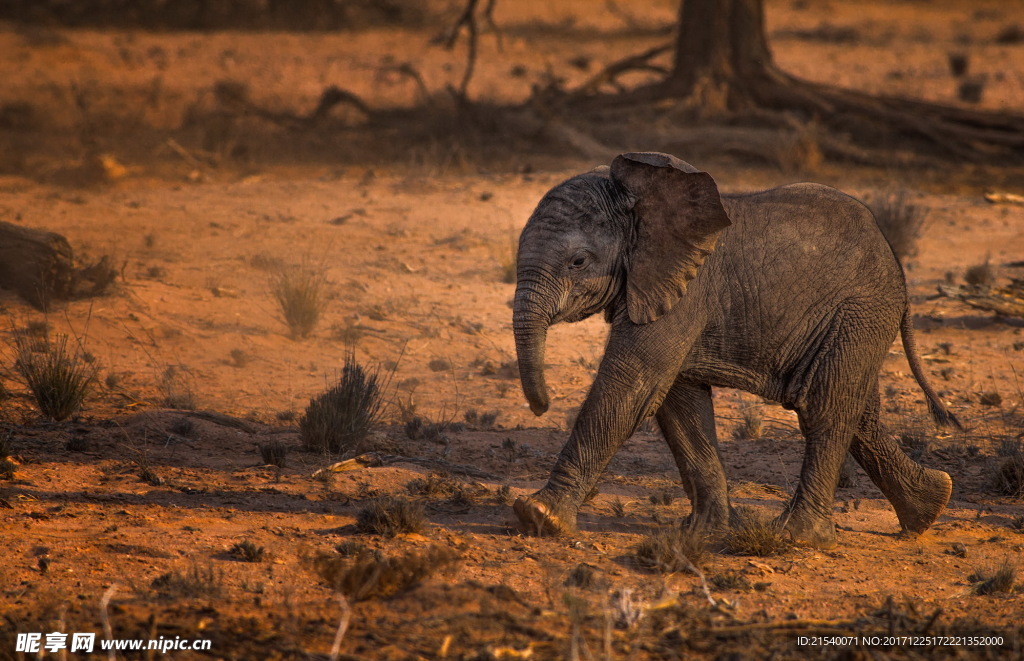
(769, 97)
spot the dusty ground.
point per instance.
(415, 248)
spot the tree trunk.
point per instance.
(719, 44)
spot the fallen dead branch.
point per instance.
(40, 267)
(1007, 301)
(376, 459)
(224, 420)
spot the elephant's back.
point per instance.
(814, 230)
(796, 262)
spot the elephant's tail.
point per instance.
(940, 413)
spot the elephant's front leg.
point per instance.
(631, 384)
(687, 419)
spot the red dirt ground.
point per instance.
(415, 249)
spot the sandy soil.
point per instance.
(415, 248)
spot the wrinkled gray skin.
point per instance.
(791, 294)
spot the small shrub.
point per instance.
(663, 498)
(732, 580)
(7, 465)
(504, 494)
(350, 333)
(39, 329)
(78, 443)
(390, 516)
(991, 398)
(57, 375)
(958, 63)
(957, 549)
(350, 548)
(1009, 447)
(274, 453)
(444, 485)
(618, 508)
(483, 421)
(755, 534)
(435, 484)
(247, 551)
(183, 427)
(420, 429)
(338, 420)
(440, 365)
(980, 275)
(148, 475)
(195, 582)
(1010, 34)
(751, 423)
(901, 221)
(970, 90)
(582, 576)
(371, 575)
(508, 269)
(670, 550)
(176, 389)
(1000, 580)
(301, 295)
(1017, 523)
(239, 358)
(285, 416)
(1009, 479)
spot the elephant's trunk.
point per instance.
(531, 327)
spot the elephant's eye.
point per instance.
(578, 261)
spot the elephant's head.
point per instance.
(633, 235)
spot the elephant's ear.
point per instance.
(679, 217)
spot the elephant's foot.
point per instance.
(537, 517)
(919, 507)
(710, 521)
(806, 529)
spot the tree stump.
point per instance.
(36, 264)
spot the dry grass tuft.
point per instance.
(301, 295)
(274, 453)
(1009, 479)
(980, 275)
(338, 420)
(194, 583)
(670, 550)
(732, 580)
(176, 389)
(751, 423)
(422, 429)
(7, 465)
(755, 534)
(434, 485)
(901, 221)
(484, 421)
(239, 358)
(58, 375)
(390, 516)
(1000, 580)
(247, 551)
(583, 576)
(370, 575)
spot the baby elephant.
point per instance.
(792, 294)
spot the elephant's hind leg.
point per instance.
(837, 393)
(918, 494)
(687, 419)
